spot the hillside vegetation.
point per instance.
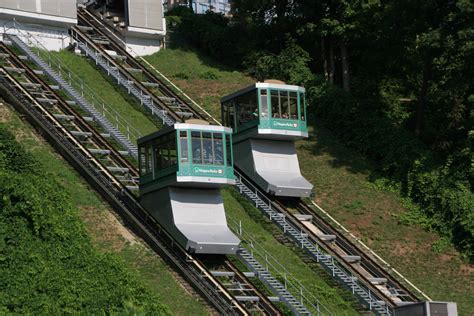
(346, 184)
(47, 262)
(106, 233)
(389, 79)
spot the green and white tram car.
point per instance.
(186, 154)
(182, 168)
(267, 117)
(267, 110)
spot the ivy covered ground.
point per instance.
(62, 250)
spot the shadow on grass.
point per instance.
(322, 141)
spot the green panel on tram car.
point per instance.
(277, 110)
(185, 154)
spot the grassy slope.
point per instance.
(344, 186)
(115, 97)
(189, 71)
(107, 233)
(336, 300)
(331, 297)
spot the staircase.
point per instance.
(83, 103)
(277, 288)
(328, 262)
(145, 99)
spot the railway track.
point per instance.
(376, 287)
(106, 169)
(351, 266)
(128, 61)
(368, 270)
(151, 91)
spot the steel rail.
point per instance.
(239, 282)
(114, 191)
(370, 251)
(64, 107)
(265, 303)
(346, 245)
(81, 36)
(367, 264)
(88, 18)
(342, 246)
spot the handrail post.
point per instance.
(352, 283)
(370, 301)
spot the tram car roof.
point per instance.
(268, 84)
(197, 125)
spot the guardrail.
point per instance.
(75, 81)
(175, 88)
(291, 283)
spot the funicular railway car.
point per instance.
(266, 118)
(182, 168)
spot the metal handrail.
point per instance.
(355, 281)
(292, 284)
(175, 87)
(76, 82)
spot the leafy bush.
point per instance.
(290, 65)
(441, 187)
(209, 75)
(47, 262)
(212, 34)
(181, 75)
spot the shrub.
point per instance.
(440, 187)
(47, 262)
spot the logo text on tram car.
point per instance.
(212, 171)
(285, 124)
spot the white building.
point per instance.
(47, 20)
(139, 23)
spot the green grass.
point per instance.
(115, 97)
(346, 186)
(334, 298)
(337, 300)
(152, 269)
(203, 79)
(105, 232)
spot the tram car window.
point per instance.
(183, 140)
